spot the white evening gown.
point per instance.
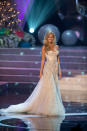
(45, 98)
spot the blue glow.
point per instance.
(82, 73)
(68, 33)
(21, 53)
(69, 73)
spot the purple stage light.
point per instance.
(79, 31)
(79, 17)
(77, 34)
(22, 6)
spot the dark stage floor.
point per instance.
(25, 122)
(75, 118)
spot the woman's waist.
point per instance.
(51, 63)
(51, 60)
(51, 66)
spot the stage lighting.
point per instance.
(77, 34)
(41, 11)
(79, 31)
(31, 30)
(79, 17)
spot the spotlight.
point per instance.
(79, 17)
(77, 34)
(31, 30)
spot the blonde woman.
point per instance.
(46, 98)
(49, 44)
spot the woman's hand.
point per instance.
(59, 69)
(60, 75)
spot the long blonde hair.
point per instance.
(46, 43)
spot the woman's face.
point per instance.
(50, 38)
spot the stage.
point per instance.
(23, 122)
(19, 74)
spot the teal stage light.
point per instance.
(31, 30)
(39, 12)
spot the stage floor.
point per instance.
(74, 119)
(25, 122)
(19, 74)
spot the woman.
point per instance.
(46, 97)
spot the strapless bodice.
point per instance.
(51, 56)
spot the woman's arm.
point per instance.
(59, 68)
(42, 60)
(59, 71)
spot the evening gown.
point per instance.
(46, 97)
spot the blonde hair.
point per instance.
(46, 43)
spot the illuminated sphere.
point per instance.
(48, 28)
(69, 37)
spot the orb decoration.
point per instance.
(48, 28)
(69, 37)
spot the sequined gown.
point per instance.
(45, 98)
